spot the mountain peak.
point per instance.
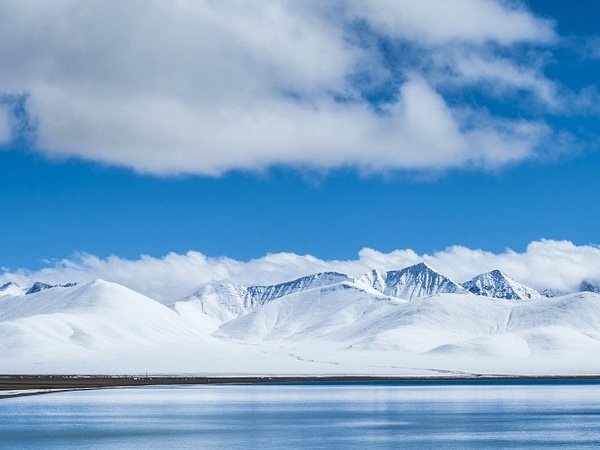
(416, 281)
(497, 284)
(37, 287)
(11, 288)
(420, 266)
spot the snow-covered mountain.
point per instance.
(322, 323)
(264, 294)
(40, 286)
(11, 289)
(308, 313)
(450, 324)
(224, 302)
(412, 282)
(498, 285)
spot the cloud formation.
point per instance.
(205, 87)
(545, 264)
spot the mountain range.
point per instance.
(413, 320)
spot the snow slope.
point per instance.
(498, 285)
(106, 328)
(308, 314)
(357, 319)
(447, 332)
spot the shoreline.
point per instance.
(42, 384)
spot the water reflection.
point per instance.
(309, 416)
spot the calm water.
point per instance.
(421, 415)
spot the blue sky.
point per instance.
(68, 189)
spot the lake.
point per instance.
(436, 415)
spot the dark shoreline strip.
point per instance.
(25, 393)
(71, 382)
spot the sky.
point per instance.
(238, 130)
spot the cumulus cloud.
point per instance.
(208, 86)
(546, 264)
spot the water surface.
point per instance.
(328, 416)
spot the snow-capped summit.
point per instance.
(498, 285)
(37, 287)
(415, 281)
(11, 288)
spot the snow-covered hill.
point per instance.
(98, 316)
(410, 321)
(498, 285)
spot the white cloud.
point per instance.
(498, 76)
(559, 265)
(434, 22)
(209, 86)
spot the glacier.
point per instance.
(413, 321)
